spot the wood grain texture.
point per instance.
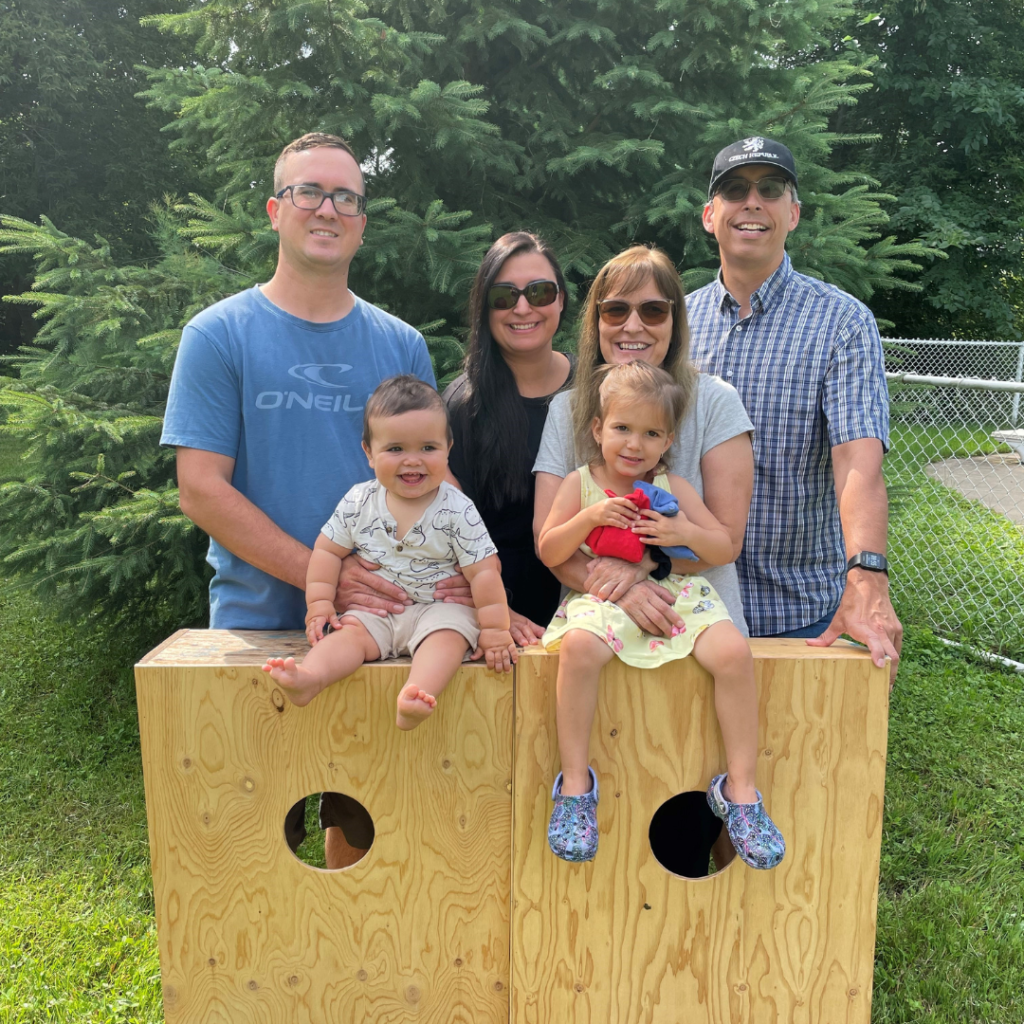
(418, 930)
(623, 941)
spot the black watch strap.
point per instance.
(870, 560)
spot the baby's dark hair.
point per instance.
(401, 394)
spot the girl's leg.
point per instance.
(436, 660)
(580, 660)
(338, 655)
(722, 651)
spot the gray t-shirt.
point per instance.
(716, 415)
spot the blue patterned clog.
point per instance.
(572, 830)
(757, 840)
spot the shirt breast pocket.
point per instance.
(786, 409)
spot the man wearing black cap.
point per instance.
(807, 361)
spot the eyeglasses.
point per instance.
(732, 190)
(538, 293)
(309, 197)
(615, 312)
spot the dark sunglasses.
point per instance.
(538, 293)
(615, 312)
(732, 190)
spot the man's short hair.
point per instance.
(311, 140)
(398, 395)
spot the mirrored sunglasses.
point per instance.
(732, 190)
(538, 293)
(615, 312)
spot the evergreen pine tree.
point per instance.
(74, 145)
(593, 122)
(947, 115)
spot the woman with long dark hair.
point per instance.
(498, 408)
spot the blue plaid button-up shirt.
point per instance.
(808, 364)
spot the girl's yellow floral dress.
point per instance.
(697, 603)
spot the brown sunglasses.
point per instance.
(615, 312)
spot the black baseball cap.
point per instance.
(755, 150)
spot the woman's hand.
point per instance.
(609, 578)
(650, 607)
(665, 531)
(620, 512)
(524, 631)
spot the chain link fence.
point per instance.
(956, 489)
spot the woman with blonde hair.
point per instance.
(635, 311)
(638, 269)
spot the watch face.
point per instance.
(870, 560)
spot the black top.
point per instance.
(532, 590)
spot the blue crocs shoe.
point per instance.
(572, 830)
(754, 835)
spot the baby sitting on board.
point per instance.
(418, 529)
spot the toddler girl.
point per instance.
(640, 408)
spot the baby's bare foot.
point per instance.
(299, 685)
(414, 705)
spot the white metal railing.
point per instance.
(979, 383)
(1004, 360)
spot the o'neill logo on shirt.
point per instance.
(323, 374)
(317, 373)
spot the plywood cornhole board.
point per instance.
(416, 930)
(623, 941)
(459, 913)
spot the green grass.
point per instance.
(919, 445)
(77, 939)
(951, 905)
(956, 565)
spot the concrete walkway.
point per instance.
(997, 481)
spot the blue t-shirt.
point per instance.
(284, 398)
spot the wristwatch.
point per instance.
(870, 560)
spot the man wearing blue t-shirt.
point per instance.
(266, 410)
(807, 361)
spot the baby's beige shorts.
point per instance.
(399, 635)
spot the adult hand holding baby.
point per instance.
(360, 589)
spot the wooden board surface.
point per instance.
(242, 647)
(416, 931)
(420, 929)
(623, 941)
(194, 647)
